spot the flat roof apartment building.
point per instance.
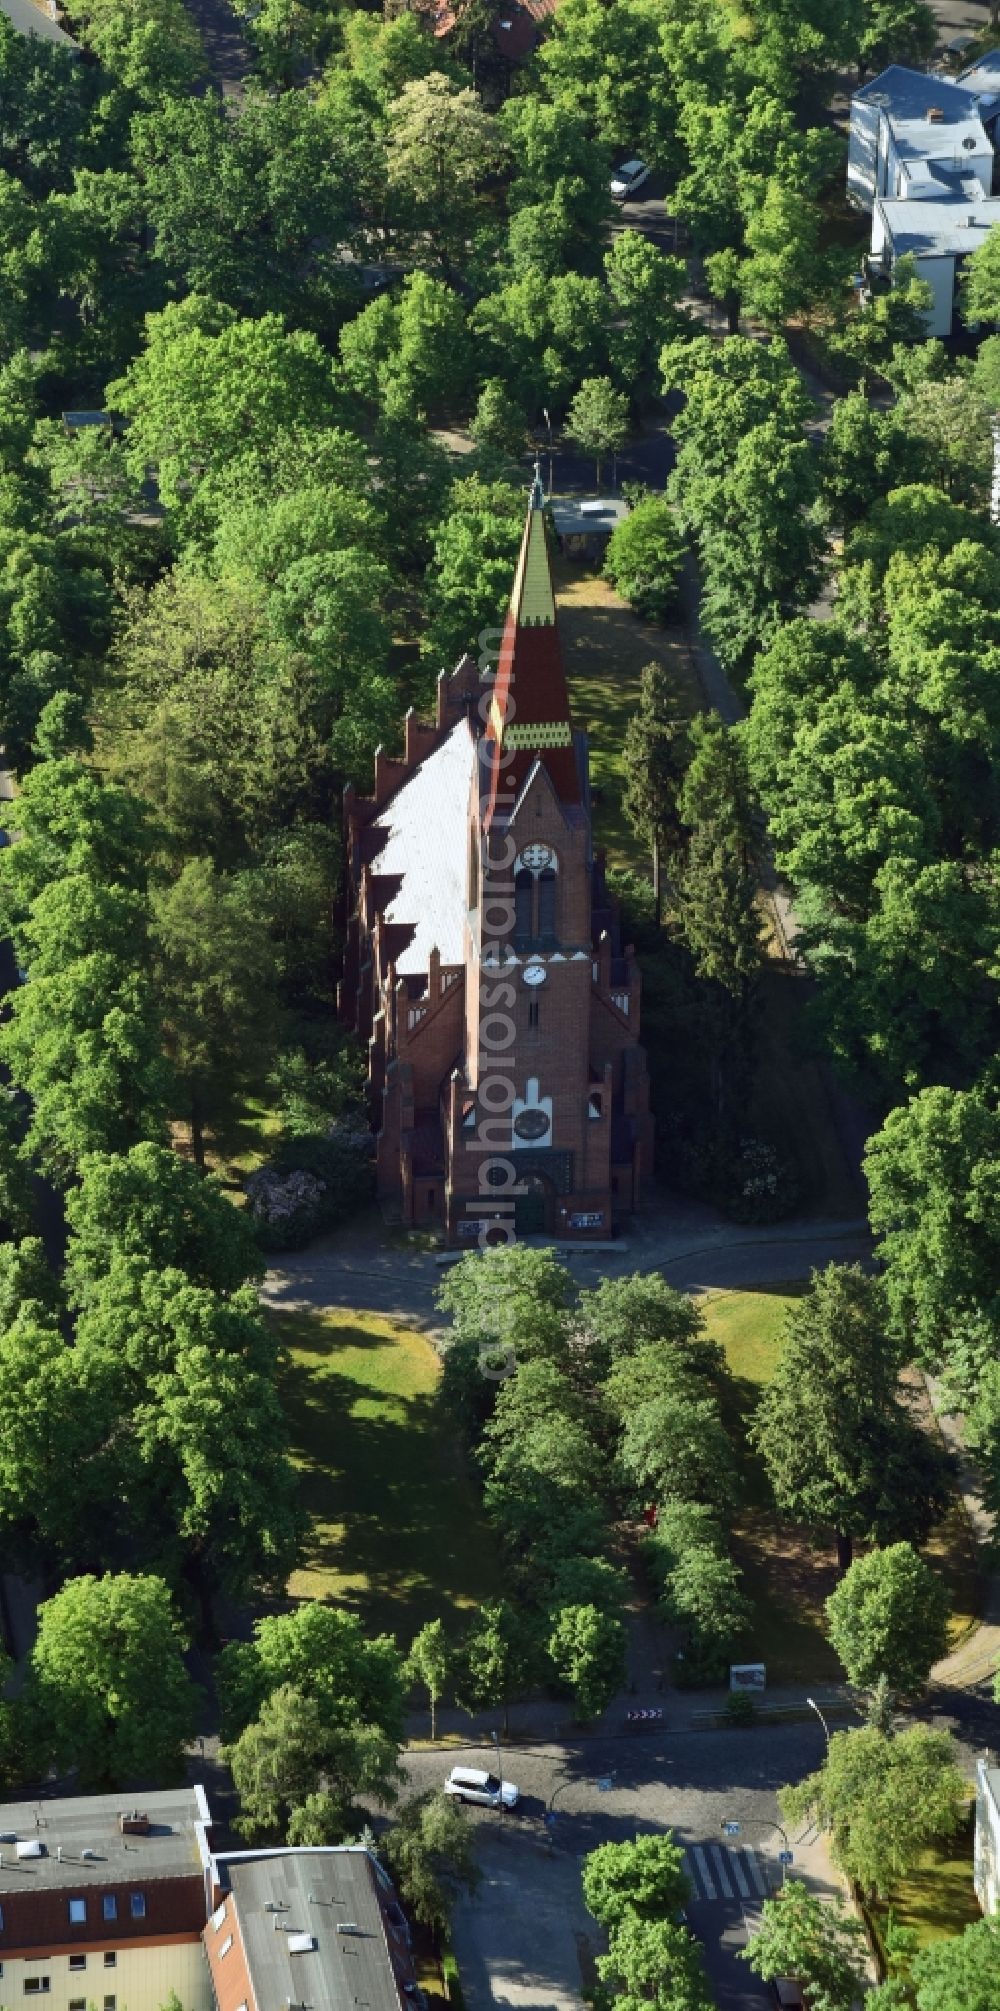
(103, 1902)
(307, 1927)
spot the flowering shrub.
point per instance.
(763, 1185)
(313, 1183)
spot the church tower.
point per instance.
(510, 1092)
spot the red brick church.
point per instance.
(484, 965)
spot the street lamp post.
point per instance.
(732, 1825)
(813, 1706)
(495, 1736)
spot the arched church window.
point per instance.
(547, 904)
(535, 871)
(524, 895)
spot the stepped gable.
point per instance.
(529, 716)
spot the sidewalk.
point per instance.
(361, 1268)
(546, 1721)
(976, 1659)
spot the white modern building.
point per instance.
(986, 1872)
(922, 161)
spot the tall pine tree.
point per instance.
(717, 889)
(655, 746)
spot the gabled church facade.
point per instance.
(483, 963)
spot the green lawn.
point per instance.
(606, 647)
(396, 1531)
(938, 1899)
(748, 1326)
(787, 1577)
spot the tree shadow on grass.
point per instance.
(395, 1528)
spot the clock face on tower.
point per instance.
(537, 857)
(531, 1124)
(534, 974)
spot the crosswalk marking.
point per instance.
(719, 1860)
(717, 1872)
(753, 1864)
(706, 1877)
(740, 1875)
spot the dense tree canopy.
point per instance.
(883, 1800)
(107, 1689)
(841, 1449)
(888, 1618)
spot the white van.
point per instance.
(469, 1784)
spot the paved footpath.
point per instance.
(362, 1267)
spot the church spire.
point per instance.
(529, 716)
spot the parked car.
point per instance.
(469, 1784)
(629, 177)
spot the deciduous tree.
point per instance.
(428, 1663)
(215, 981)
(888, 1617)
(151, 1204)
(475, 550)
(107, 1690)
(654, 1962)
(960, 1972)
(934, 1177)
(587, 1650)
(443, 146)
(813, 1939)
(883, 1801)
(645, 1876)
(643, 560)
(429, 1852)
(597, 420)
(495, 1658)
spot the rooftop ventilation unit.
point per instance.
(301, 1944)
(30, 1847)
(134, 1822)
(275, 1906)
(348, 1927)
(88, 1853)
(935, 116)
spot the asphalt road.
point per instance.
(605, 1790)
(526, 1938)
(229, 61)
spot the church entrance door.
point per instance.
(532, 1210)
